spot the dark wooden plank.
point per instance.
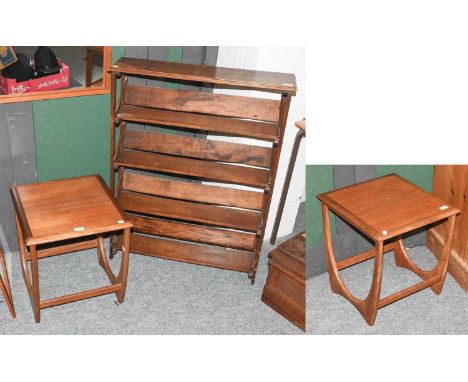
(208, 149)
(202, 102)
(247, 176)
(213, 256)
(253, 79)
(230, 126)
(188, 211)
(192, 232)
(192, 191)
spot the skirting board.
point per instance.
(458, 268)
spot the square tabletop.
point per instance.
(66, 209)
(386, 207)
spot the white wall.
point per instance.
(278, 59)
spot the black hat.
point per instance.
(45, 62)
(21, 70)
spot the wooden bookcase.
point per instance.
(218, 226)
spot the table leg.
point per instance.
(35, 283)
(367, 307)
(123, 275)
(444, 259)
(5, 286)
(440, 270)
(402, 260)
(373, 297)
(32, 287)
(113, 238)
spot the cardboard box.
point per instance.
(53, 82)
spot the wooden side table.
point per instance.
(64, 216)
(5, 286)
(385, 209)
(284, 290)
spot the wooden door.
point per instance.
(450, 183)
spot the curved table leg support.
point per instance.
(123, 273)
(367, 307)
(404, 261)
(103, 262)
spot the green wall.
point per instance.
(72, 134)
(320, 179)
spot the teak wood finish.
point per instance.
(211, 225)
(5, 286)
(385, 209)
(284, 289)
(450, 183)
(64, 216)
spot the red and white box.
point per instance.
(53, 82)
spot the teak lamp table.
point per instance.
(62, 216)
(5, 286)
(385, 209)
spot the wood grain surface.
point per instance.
(196, 192)
(201, 102)
(231, 126)
(387, 207)
(282, 82)
(189, 211)
(54, 211)
(247, 176)
(198, 148)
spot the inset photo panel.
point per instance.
(386, 249)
